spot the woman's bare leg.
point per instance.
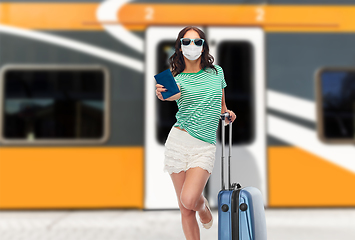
(191, 195)
(188, 217)
(189, 186)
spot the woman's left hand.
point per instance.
(231, 117)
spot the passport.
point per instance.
(167, 79)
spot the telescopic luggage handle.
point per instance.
(223, 117)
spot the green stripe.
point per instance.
(200, 103)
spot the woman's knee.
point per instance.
(186, 212)
(188, 201)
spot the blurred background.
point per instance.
(82, 133)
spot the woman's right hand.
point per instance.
(160, 88)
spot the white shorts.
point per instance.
(183, 151)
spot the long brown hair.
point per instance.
(177, 61)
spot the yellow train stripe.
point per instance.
(271, 18)
(77, 177)
(50, 16)
(138, 16)
(300, 179)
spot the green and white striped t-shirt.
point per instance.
(200, 103)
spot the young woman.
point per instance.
(191, 144)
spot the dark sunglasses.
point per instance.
(197, 41)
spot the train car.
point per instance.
(81, 126)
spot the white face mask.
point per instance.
(191, 52)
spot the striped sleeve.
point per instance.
(177, 80)
(221, 73)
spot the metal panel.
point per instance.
(248, 164)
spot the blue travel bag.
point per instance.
(241, 213)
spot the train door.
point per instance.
(240, 52)
(159, 118)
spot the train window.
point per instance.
(166, 110)
(54, 104)
(235, 57)
(336, 105)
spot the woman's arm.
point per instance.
(174, 97)
(224, 107)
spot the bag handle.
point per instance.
(223, 117)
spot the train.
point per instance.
(81, 126)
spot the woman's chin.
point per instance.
(192, 60)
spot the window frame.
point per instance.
(253, 130)
(319, 106)
(58, 67)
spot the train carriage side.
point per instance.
(70, 139)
